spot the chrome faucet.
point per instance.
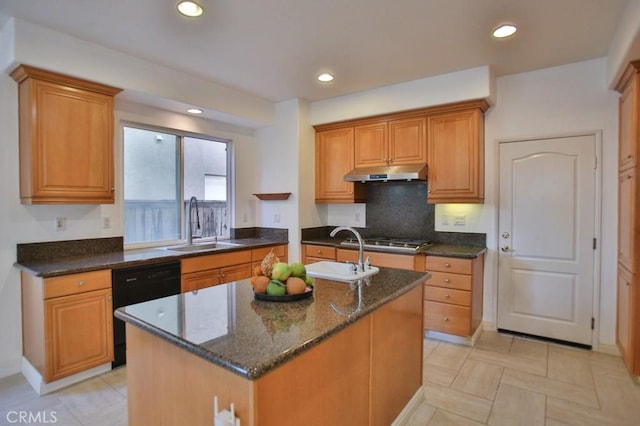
(192, 200)
(360, 243)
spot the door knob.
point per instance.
(505, 248)
(505, 234)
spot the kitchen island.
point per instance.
(350, 354)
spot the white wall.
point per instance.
(550, 102)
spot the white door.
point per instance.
(546, 237)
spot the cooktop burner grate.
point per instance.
(390, 244)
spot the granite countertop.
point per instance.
(464, 251)
(51, 266)
(226, 326)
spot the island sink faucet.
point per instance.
(360, 243)
(192, 200)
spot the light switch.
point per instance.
(445, 220)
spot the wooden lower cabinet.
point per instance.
(384, 260)
(67, 323)
(213, 269)
(312, 253)
(364, 374)
(627, 319)
(453, 295)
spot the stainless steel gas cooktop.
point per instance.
(399, 245)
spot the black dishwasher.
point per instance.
(139, 284)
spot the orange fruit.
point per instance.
(257, 271)
(296, 285)
(261, 283)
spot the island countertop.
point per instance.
(226, 326)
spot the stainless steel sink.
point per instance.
(338, 271)
(204, 246)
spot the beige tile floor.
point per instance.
(501, 381)
(510, 381)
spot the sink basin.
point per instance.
(201, 246)
(337, 271)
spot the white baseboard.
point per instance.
(609, 349)
(451, 338)
(416, 400)
(36, 381)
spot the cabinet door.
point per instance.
(79, 333)
(629, 132)
(625, 324)
(628, 233)
(455, 157)
(69, 144)
(334, 159)
(371, 145)
(197, 280)
(235, 272)
(407, 141)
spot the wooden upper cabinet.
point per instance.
(628, 144)
(393, 142)
(371, 145)
(455, 157)
(407, 141)
(66, 138)
(334, 159)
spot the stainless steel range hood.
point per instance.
(386, 173)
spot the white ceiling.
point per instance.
(275, 48)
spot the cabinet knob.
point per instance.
(446, 280)
(447, 265)
(319, 252)
(628, 283)
(109, 298)
(81, 283)
(446, 296)
(113, 190)
(446, 318)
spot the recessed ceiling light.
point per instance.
(190, 9)
(194, 111)
(504, 30)
(325, 77)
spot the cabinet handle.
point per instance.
(446, 280)
(629, 157)
(113, 190)
(446, 318)
(109, 298)
(446, 296)
(81, 283)
(447, 265)
(319, 252)
(628, 283)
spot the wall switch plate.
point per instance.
(459, 220)
(106, 222)
(276, 218)
(445, 220)
(61, 223)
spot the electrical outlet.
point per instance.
(356, 217)
(106, 222)
(276, 218)
(61, 223)
(459, 220)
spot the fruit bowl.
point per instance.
(284, 298)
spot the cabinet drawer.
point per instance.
(448, 264)
(77, 283)
(203, 263)
(258, 254)
(447, 318)
(234, 273)
(447, 280)
(447, 295)
(324, 252)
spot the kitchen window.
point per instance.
(162, 171)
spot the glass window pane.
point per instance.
(151, 186)
(205, 177)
